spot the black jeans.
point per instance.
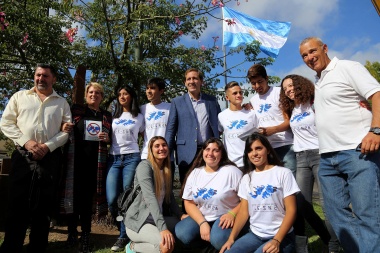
(32, 188)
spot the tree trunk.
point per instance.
(79, 85)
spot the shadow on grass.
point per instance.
(101, 243)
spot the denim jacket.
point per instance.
(146, 202)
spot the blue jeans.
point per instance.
(307, 172)
(347, 177)
(288, 157)
(253, 243)
(187, 231)
(120, 176)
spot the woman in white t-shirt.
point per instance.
(210, 197)
(268, 200)
(124, 154)
(296, 100)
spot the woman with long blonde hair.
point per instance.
(146, 225)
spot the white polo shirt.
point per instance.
(341, 121)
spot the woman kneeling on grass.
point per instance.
(210, 198)
(268, 199)
(147, 227)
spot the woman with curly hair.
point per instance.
(296, 99)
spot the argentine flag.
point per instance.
(239, 28)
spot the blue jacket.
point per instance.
(181, 130)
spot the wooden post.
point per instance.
(79, 85)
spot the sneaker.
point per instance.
(85, 244)
(128, 248)
(120, 244)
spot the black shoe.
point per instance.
(72, 239)
(85, 244)
(120, 244)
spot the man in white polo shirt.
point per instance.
(349, 174)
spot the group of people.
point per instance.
(249, 192)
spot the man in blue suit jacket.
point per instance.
(192, 120)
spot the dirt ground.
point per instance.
(108, 233)
(103, 237)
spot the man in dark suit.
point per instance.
(192, 120)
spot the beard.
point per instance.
(42, 86)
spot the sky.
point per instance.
(350, 28)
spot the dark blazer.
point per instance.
(181, 130)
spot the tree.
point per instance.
(374, 69)
(133, 41)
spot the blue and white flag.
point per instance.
(239, 28)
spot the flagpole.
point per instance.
(225, 69)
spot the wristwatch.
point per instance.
(375, 130)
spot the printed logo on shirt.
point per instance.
(263, 191)
(155, 115)
(209, 207)
(204, 193)
(264, 207)
(233, 135)
(266, 118)
(125, 122)
(155, 125)
(300, 116)
(264, 108)
(237, 124)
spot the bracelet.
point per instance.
(232, 213)
(200, 224)
(274, 239)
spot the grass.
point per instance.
(315, 243)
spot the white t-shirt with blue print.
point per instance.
(125, 132)
(215, 193)
(265, 192)
(268, 112)
(232, 124)
(156, 118)
(302, 123)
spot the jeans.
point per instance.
(307, 172)
(253, 243)
(348, 177)
(287, 156)
(187, 231)
(120, 176)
